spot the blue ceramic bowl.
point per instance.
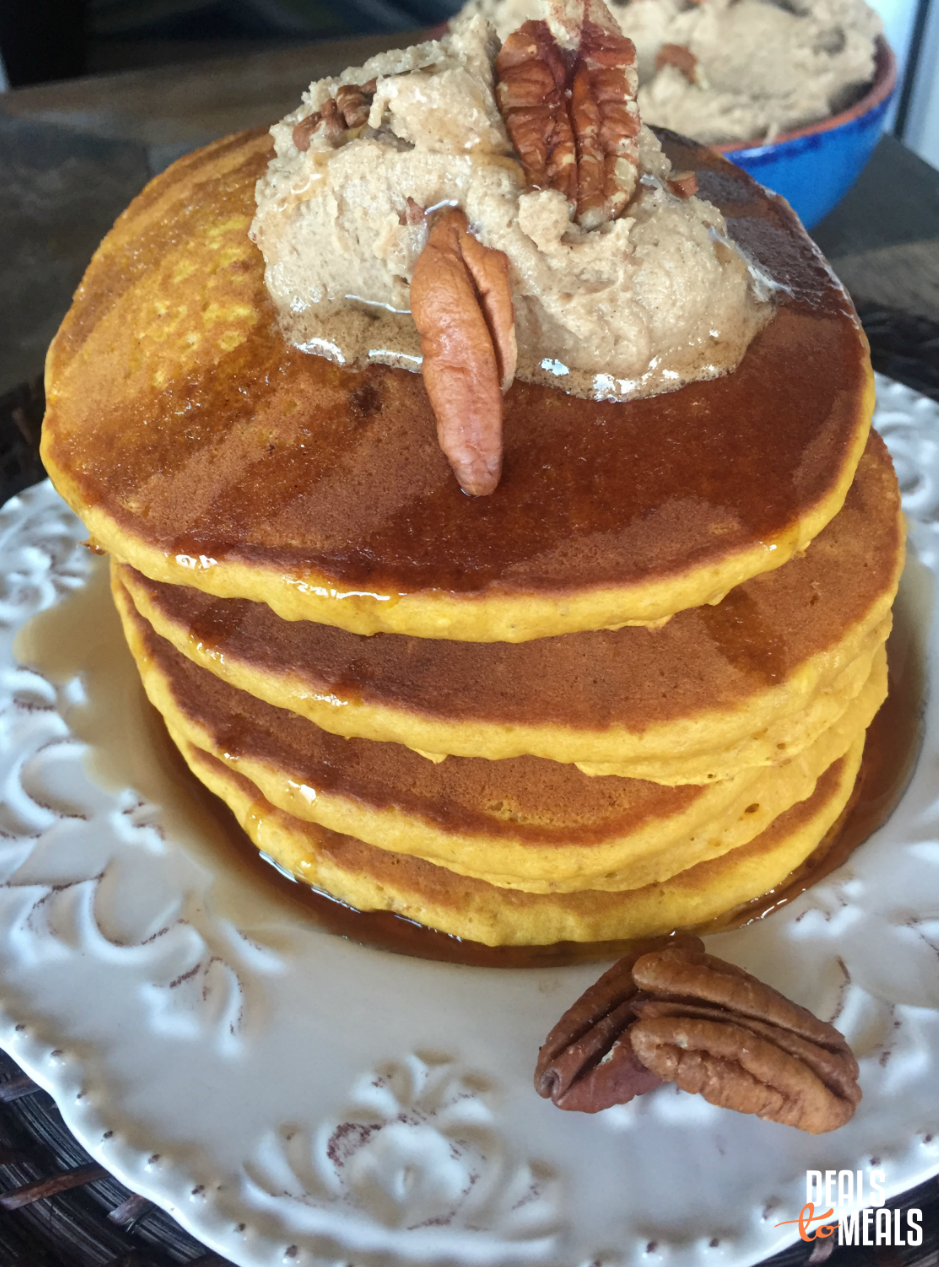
(813, 168)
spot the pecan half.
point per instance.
(683, 184)
(572, 114)
(411, 213)
(531, 88)
(462, 306)
(687, 1017)
(348, 109)
(587, 1063)
(714, 1029)
(681, 58)
(353, 102)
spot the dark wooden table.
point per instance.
(72, 155)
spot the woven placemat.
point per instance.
(59, 1208)
(903, 346)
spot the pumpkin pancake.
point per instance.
(200, 447)
(520, 823)
(374, 879)
(717, 690)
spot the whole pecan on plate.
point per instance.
(571, 111)
(673, 1013)
(461, 303)
(348, 109)
(584, 1063)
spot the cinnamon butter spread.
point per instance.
(734, 70)
(630, 307)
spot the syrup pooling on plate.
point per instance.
(80, 638)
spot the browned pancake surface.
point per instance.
(443, 888)
(268, 456)
(523, 798)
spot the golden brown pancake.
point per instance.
(719, 689)
(201, 448)
(520, 823)
(269, 512)
(374, 879)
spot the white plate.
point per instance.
(294, 1098)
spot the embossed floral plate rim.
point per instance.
(293, 1098)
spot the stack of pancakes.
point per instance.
(625, 693)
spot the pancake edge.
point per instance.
(698, 750)
(654, 853)
(494, 917)
(464, 618)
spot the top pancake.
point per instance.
(200, 447)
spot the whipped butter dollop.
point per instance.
(637, 306)
(756, 67)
